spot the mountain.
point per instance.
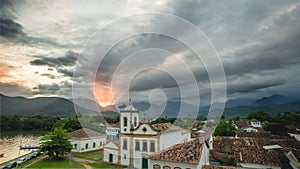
(240, 101)
(55, 106)
(50, 106)
(275, 99)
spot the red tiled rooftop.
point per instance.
(167, 127)
(85, 133)
(189, 152)
(250, 149)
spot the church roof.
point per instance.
(188, 152)
(129, 107)
(85, 133)
(167, 127)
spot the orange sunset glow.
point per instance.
(103, 95)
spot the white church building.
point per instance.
(139, 140)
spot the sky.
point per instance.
(52, 48)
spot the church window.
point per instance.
(156, 166)
(144, 130)
(135, 121)
(152, 146)
(145, 146)
(125, 121)
(137, 145)
(125, 144)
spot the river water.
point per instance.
(9, 145)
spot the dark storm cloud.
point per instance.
(152, 79)
(47, 89)
(10, 28)
(49, 75)
(251, 87)
(68, 60)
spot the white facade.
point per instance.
(137, 140)
(256, 124)
(172, 165)
(250, 129)
(111, 153)
(87, 144)
(112, 133)
(177, 137)
(246, 165)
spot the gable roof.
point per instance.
(85, 133)
(242, 124)
(189, 152)
(167, 127)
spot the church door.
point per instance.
(145, 163)
(110, 158)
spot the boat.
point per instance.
(29, 147)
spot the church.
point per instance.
(138, 140)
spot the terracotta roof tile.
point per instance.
(250, 149)
(167, 127)
(85, 133)
(242, 124)
(189, 152)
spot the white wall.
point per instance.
(204, 160)
(81, 144)
(137, 155)
(173, 137)
(171, 164)
(110, 151)
(125, 154)
(257, 166)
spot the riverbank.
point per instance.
(10, 146)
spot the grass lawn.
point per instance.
(50, 163)
(91, 155)
(102, 164)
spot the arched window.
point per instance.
(166, 167)
(156, 166)
(177, 168)
(125, 121)
(135, 121)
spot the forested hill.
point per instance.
(46, 106)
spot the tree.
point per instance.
(224, 129)
(56, 143)
(261, 116)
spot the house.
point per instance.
(193, 154)
(255, 123)
(248, 126)
(86, 140)
(112, 132)
(111, 152)
(138, 139)
(267, 151)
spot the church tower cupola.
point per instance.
(129, 118)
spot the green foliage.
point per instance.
(56, 143)
(229, 161)
(33, 123)
(69, 124)
(163, 120)
(261, 116)
(224, 129)
(186, 123)
(112, 119)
